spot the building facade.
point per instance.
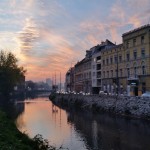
(123, 68)
(83, 82)
(97, 65)
(69, 83)
(137, 64)
(113, 73)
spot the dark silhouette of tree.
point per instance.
(10, 73)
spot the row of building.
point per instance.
(123, 68)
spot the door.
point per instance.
(136, 91)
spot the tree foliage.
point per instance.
(10, 73)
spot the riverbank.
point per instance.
(12, 139)
(138, 107)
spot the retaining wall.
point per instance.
(124, 105)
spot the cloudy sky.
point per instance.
(49, 36)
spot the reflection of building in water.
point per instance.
(94, 134)
(106, 132)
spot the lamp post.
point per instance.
(117, 74)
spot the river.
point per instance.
(77, 130)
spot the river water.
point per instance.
(77, 130)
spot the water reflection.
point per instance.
(108, 132)
(81, 130)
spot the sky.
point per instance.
(50, 36)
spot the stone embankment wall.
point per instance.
(123, 105)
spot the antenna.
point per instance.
(60, 81)
(52, 80)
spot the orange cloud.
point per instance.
(28, 35)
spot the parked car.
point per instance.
(103, 92)
(146, 94)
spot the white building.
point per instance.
(97, 65)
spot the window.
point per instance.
(135, 72)
(93, 80)
(103, 62)
(135, 55)
(98, 58)
(89, 74)
(111, 73)
(127, 44)
(143, 87)
(134, 42)
(143, 53)
(128, 56)
(93, 73)
(93, 66)
(107, 74)
(98, 66)
(142, 39)
(120, 58)
(111, 60)
(99, 82)
(99, 74)
(84, 76)
(107, 60)
(143, 68)
(104, 74)
(120, 72)
(128, 72)
(115, 58)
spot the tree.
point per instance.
(10, 73)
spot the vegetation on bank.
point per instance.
(10, 73)
(12, 139)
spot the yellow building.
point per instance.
(113, 72)
(126, 67)
(137, 53)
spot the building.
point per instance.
(97, 65)
(82, 74)
(126, 67)
(49, 83)
(113, 72)
(122, 68)
(137, 63)
(69, 83)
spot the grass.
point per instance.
(12, 139)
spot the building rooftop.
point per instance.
(137, 29)
(108, 48)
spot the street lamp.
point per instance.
(117, 75)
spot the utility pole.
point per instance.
(55, 81)
(117, 74)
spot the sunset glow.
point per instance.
(49, 36)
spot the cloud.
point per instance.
(119, 21)
(49, 36)
(28, 36)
